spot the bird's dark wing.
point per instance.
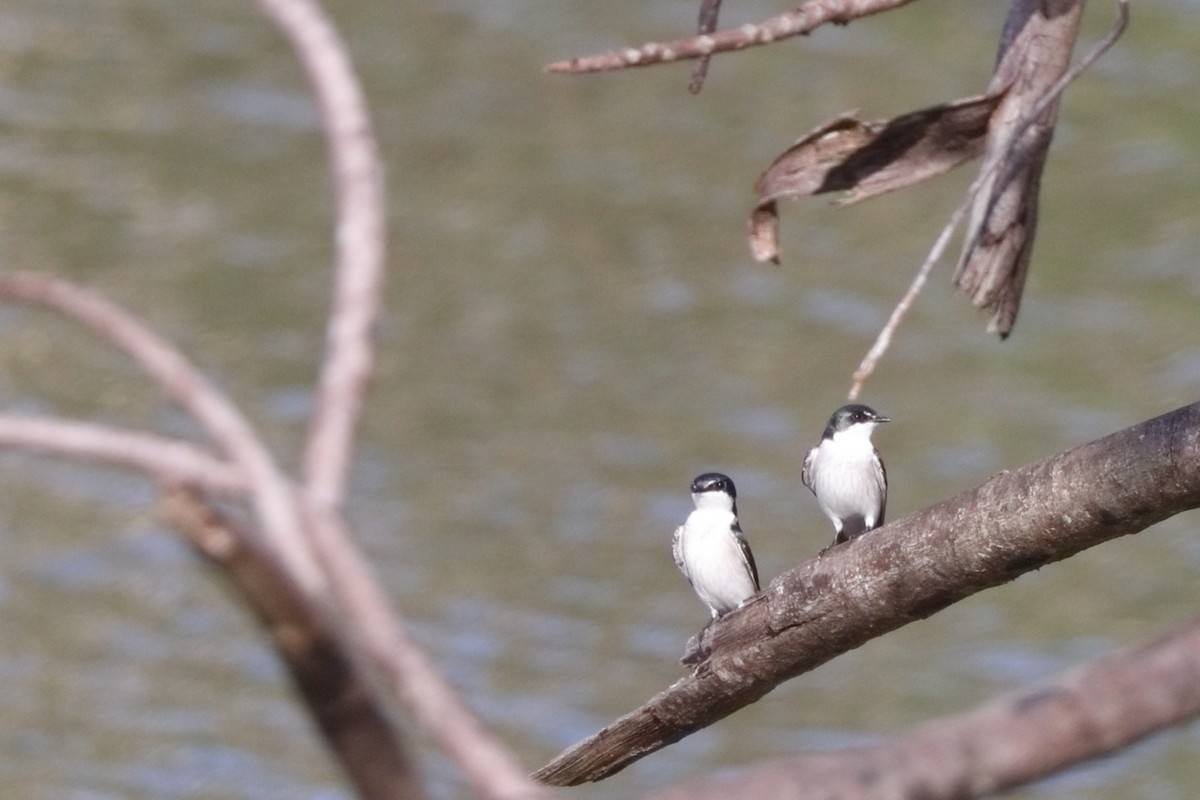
(747, 556)
(882, 491)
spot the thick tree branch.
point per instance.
(157, 456)
(358, 184)
(803, 20)
(1034, 732)
(368, 745)
(1015, 522)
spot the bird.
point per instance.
(847, 475)
(710, 549)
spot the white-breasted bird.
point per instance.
(846, 473)
(710, 549)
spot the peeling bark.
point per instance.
(998, 242)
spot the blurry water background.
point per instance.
(574, 330)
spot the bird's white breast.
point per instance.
(844, 475)
(713, 561)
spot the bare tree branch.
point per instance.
(159, 457)
(987, 176)
(310, 558)
(184, 384)
(803, 20)
(377, 630)
(368, 745)
(358, 182)
(1039, 36)
(369, 628)
(402, 665)
(710, 10)
(1034, 732)
(910, 569)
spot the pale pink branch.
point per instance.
(160, 458)
(407, 672)
(361, 234)
(183, 383)
(803, 20)
(371, 622)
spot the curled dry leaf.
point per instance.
(865, 159)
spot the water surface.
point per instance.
(574, 329)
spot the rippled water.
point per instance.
(574, 330)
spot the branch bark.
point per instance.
(1029, 734)
(910, 569)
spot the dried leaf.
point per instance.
(864, 159)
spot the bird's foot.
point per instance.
(698, 647)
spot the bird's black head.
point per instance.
(853, 414)
(714, 482)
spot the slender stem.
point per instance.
(159, 457)
(810, 16)
(361, 235)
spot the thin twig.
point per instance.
(358, 183)
(883, 341)
(160, 458)
(183, 383)
(803, 20)
(710, 10)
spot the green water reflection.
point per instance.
(574, 329)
